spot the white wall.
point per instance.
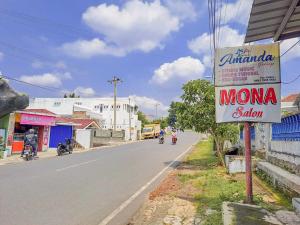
(83, 137)
(100, 106)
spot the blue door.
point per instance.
(59, 134)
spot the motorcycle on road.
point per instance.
(65, 148)
(161, 140)
(28, 153)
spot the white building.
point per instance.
(97, 108)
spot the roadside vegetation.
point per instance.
(197, 111)
(215, 186)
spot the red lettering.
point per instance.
(240, 112)
(227, 97)
(270, 96)
(243, 96)
(257, 96)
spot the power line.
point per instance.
(48, 88)
(290, 48)
(43, 21)
(292, 81)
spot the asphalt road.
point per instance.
(93, 188)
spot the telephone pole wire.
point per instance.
(115, 81)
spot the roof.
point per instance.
(78, 123)
(277, 19)
(290, 98)
(43, 111)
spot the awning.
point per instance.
(277, 19)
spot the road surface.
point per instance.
(93, 188)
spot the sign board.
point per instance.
(247, 84)
(33, 119)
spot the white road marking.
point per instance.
(136, 194)
(75, 165)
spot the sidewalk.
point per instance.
(52, 153)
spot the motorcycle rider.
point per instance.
(174, 135)
(162, 133)
(31, 140)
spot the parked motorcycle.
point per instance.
(28, 153)
(161, 140)
(65, 148)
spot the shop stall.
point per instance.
(40, 121)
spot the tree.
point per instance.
(71, 95)
(142, 118)
(297, 102)
(163, 122)
(197, 111)
(172, 118)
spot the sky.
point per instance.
(153, 46)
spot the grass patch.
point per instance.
(215, 185)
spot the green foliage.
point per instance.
(71, 95)
(215, 186)
(172, 118)
(142, 118)
(197, 111)
(163, 122)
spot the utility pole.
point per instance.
(156, 105)
(129, 120)
(115, 81)
(247, 138)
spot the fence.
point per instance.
(252, 133)
(287, 130)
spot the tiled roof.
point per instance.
(290, 98)
(43, 111)
(79, 123)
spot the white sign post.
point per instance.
(247, 84)
(247, 89)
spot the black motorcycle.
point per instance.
(65, 148)
(161, 140)
(28, 153)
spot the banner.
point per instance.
(247, 84)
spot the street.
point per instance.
(97, 187)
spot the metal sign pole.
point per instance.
(249, 190)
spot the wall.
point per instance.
(101, 106)
(104, 137)
(281, 142)
(83, 137)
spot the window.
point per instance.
(57, 103)
(101, 108)
(78, 103)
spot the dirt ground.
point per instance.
(172, 202)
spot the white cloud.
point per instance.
(38, 64)
(293, 52)
(135, 26)
(46, 79)
(184, 68)
(90, 48)
(148, 105)
(1, 56)
(228, 38)
(184, 9)
(237, 12)
(84, 92)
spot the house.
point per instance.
(287, 104)
(100, 109)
